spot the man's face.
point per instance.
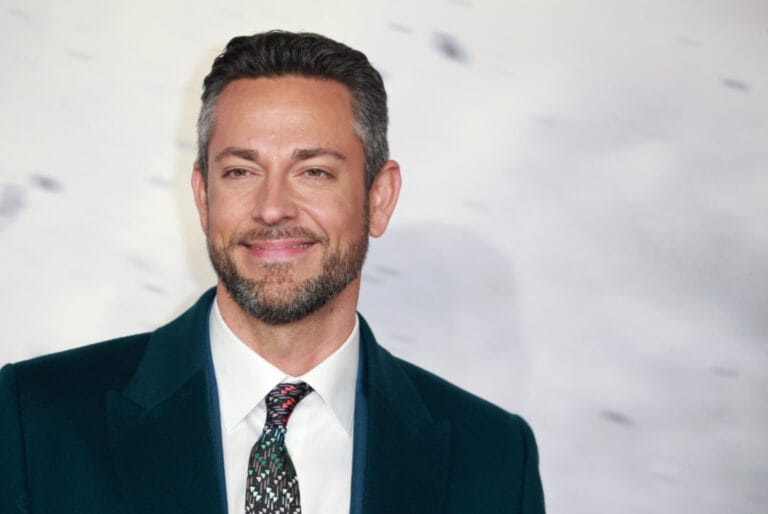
(285, 206)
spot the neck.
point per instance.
(297, 347)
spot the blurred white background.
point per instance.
(581, 237)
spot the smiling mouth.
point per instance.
(278, 244)
(276, 249)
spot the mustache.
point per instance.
(273, 233)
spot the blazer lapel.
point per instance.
(163, 426)
(407, 451)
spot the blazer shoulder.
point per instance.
(484, 432)
(99, 366)
(448, 401)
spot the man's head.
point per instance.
(280, 53)
(284, 183)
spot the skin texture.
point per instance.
(285, 196)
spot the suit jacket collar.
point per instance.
(164, 428)
(406, 456)
(164, 425)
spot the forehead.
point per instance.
(319, 101)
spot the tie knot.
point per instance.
(282, 400)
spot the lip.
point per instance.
(278, 248)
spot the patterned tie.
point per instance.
(272, 486)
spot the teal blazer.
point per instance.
(132, 426)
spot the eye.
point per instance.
(317, 173)
(236, 172)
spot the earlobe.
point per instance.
(382, 197)
(200, 192)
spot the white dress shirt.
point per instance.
(319, 436)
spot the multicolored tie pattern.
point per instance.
(272, 486)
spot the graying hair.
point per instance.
(280, 53)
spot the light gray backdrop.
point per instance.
(581, 236)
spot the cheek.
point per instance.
(225, 215)
(345, 220)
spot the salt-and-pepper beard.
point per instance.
(295, 301)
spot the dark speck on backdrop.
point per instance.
(722, 371)
(687, 41)
(616, 417)
(11, 202)
(400, 28)
(186, 145)
(160, 181)
(476, 206)
(392, 272)
(80, 56)
(152, 288)
(738, 85)
(21, 14)
(139, 263)
(449, 46)
(46, 183)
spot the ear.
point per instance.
(201, 195)
(382, 197)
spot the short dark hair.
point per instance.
(277, 53)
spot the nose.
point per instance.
(274, 201)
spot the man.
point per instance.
(292, 177)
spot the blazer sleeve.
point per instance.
(533, 494)
(13, 472)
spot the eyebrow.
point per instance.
(300, 154)
(233, 151)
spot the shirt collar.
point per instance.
(244, 378)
